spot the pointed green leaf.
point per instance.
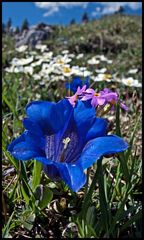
(44, 195)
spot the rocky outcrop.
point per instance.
(34, 35)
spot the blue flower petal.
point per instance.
(49, 116)
(52, 172)
(84, 116)
(72, 175)
(100, 146)
(87, 82)
(67, 86)
(50, 168)
(32, 126)
(35, 141)
(21, 138)
(21, 151)
(76, 82)
(44, 160)
(98, 129)
(26, 147)
(74, 146)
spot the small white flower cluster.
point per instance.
(41, 64)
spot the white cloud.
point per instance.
(53, 7)
(111, 7)
(51, 11)
(101, 8)
(98, 9)
(96, 12)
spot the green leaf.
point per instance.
(28, 224)
(24, 182)
(27, 218)
(24, 193)
(8, 104)
(121, 157)
(120, 212)
(88, 198)
(103, 199)
(36, 174)
(6, 229)
(44, 195)
(118, 131)
(91, 216)
(12, 160)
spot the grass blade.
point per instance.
(102, 195)
(36, 174)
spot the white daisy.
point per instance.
(131, 82)
(22, 48)
(133, 71)
(103, 77)
(93, 61)
(102, 70)
(79, 56)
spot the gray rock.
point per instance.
(34, 35)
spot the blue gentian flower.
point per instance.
(77, 82)
(66, 140)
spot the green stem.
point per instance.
(102, 196)
(86, 185)
(88, 197)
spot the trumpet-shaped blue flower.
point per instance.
(77, 82)
(66, 140)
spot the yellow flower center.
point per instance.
(66, 70)
(129, 81)
(60, 61)
(107, 76)
(96, 94)
(76, 98)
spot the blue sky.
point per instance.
(62, 12)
